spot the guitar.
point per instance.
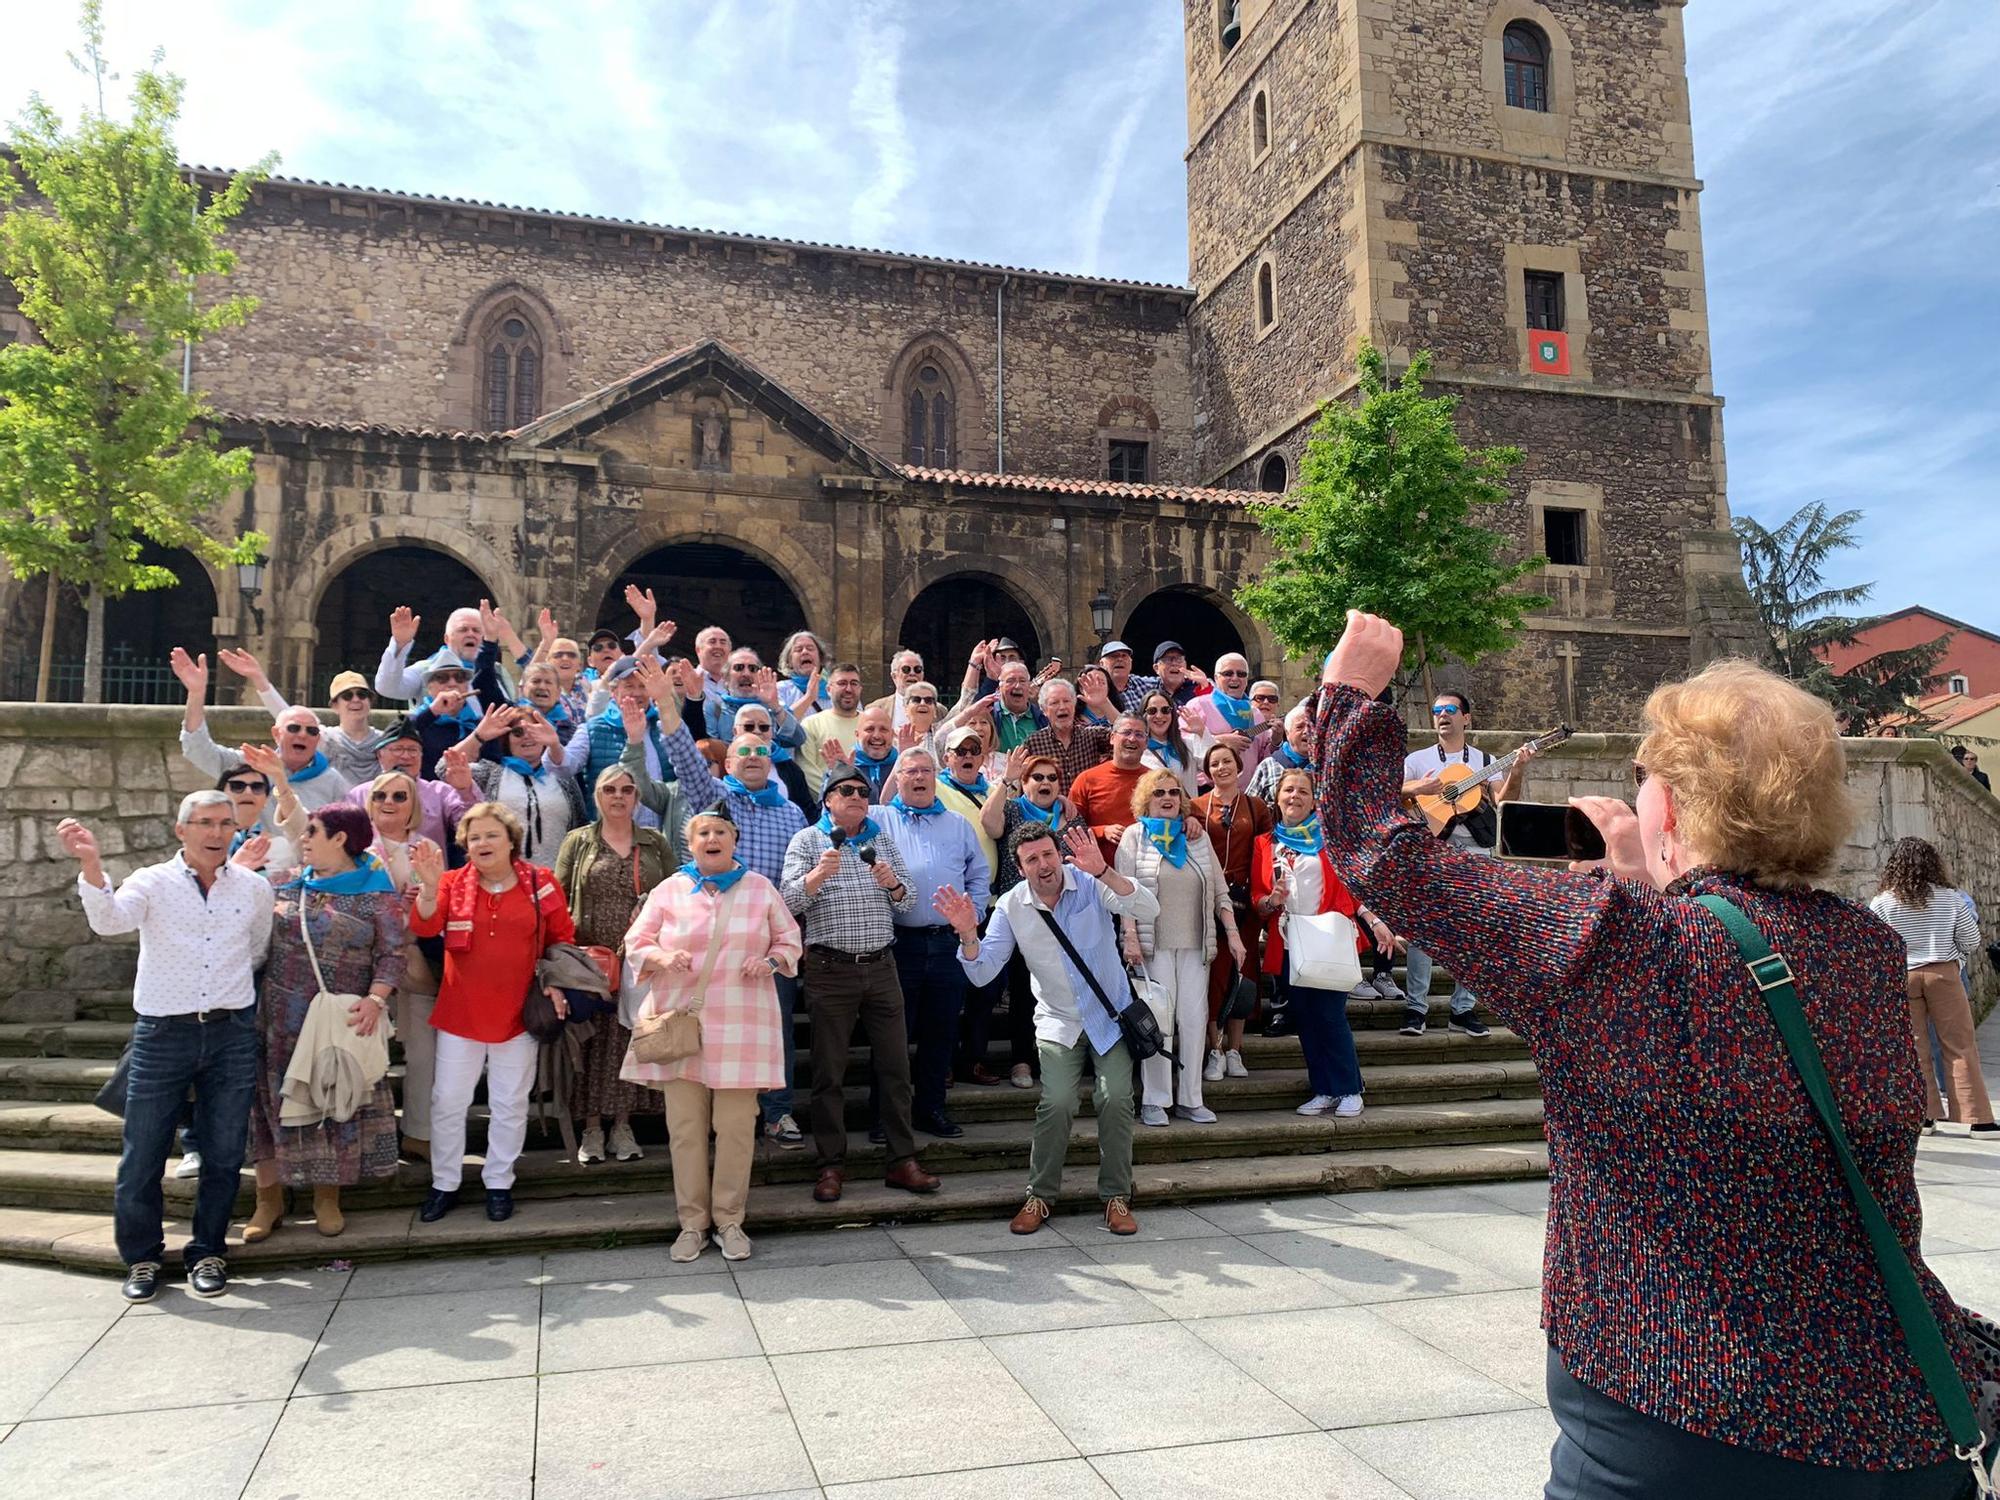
(1464, 788)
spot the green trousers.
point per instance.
(1062, 1074)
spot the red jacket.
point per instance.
(1334, 896)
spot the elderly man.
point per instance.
(204, 926)
(939, 849)
(1294, 752)
(1102, 795)
(474, 636)
(906, 670)
(400, 748)
(1228, 715)
(842, 721)
(749, 682)
(844, 880)
(601, 742)
(297, 732)
(1060, 920)
(1015, 715)
(348, 743)
(1074, 747)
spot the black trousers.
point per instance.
(980, 1004)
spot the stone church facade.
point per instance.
(451, 399)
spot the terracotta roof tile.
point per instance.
(1042, 484)
(371, 429)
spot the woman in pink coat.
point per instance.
(712, 937)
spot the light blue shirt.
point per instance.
(938, 850)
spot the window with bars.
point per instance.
(1127, 462)
(1525, 52)
(513, 396)
(1566, 538)
(1545, 300)
(929, 425)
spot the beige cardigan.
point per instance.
(1139, 859)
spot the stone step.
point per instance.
(83, 1180)
(82, 1240)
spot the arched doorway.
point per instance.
(352, 620)
(1202, 627)
(949, 618)
(139, 629)
(699, 584)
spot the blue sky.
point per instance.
(1851, 150)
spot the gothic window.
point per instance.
(1267, 296)
(1544, 291)
(929, 422)
(1260, 126)
(513, 396)
(1127, 462)
(1271, 477)
(1525, 52)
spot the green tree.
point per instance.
(102, 446)
(1802, 617)
(1382, 519)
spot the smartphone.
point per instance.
(1548, 832)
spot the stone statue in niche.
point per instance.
(711, 435)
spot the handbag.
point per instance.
(1239, 998)
(670, 1036)
(1135, 1022)
(1323, 951)
(1926, 1341)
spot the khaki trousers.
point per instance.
(708, 1199)
(413, 1030)
(1937, 998)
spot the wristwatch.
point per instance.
(771, 959)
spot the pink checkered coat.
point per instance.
(743, 1037)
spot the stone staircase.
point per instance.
(1441, 1108)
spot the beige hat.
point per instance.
(345, 682)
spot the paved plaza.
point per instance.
(1371, 1346)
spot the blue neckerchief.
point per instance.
(238, 839)
(520, 767)
(770, 794)
(556, 715)
(314, 767)
(1051, 815)
(367, 876)
(903, 807)
(1289, 757)
(799, 683)
(730, 703)
(616, 719)
(1162, 749)
(716, 883)
(1306, 838)
(1169, 835)
(1085, 716)
(978, 788)
(868, 830)
(1237, 711)
(877, 771)
(588, 674)
(467, 716)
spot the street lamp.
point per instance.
(250, 583)
(1101, 607)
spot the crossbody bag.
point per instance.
(1136, 1022)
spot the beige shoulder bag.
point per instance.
(669, 1036)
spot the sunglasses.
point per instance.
(261, 788)
(362, 694)
(310, 731)
(1158, 713)
(563, 656)
(848, 789)
(917, 702)
(399, 795)
(1264, 698)
(746, 751)
(449, 679)
(909, 670)
(1168, 792)
(1445, 710)
(1042, 776)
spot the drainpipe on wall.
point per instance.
(1000, 377)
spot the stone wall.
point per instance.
(119, 769)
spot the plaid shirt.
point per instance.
(851, 912)
(762, 833)
(1088, 745)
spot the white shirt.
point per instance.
(1432, 759)
(1308, 883)
(196, 952)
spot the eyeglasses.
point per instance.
(399, 795)
(1043, 776)
(449, 679)
(847, 789)
(310, 731)
(1638, 774)
(746, 751)
(916, 702)
(563, 656)
(743, 668)
(1128, 734)
(910, 669)
(750, 726)
(1445, 710)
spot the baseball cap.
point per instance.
(1111, 646)
(962, 736)
(1164, 647)
(604, 635)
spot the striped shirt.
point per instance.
(1943, 930)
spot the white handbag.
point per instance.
(1150, 990)
(1322, 951)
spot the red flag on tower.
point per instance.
(1548, 351)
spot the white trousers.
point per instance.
(1183, 974)
(510, 1079)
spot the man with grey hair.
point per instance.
(906, 670)
(204, 926)
(474, 636)
(1228, 715)
(1074, 747)
(1289, 756)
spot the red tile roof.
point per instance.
(371, 429)
(1042, 484)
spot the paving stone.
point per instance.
(261, 1291)
(841, 1307)
(1089, 1381)
(1400, 1205)
(668, 1320)
(1212, 1277)
(978, 1237)
(1511, 1246)
(1060, 1286)
(1965, 1213)
(404, 1278)
(624, 1263)
(1496, 1333)
(190, 1453)
(40, 1354)
(1529, 1197)
(1492, 1456)
(1064, 1479)
(444, 1442)
(425, 1339)
(1973, 1278)
(1155, 1223)
(820, 1247)
(42, 1294)
(1306, 1463)
(913, 1409)
(1375, 1263)
(668, 1432)
(1272, 1215)
(1344, 1367)
(150, 1364)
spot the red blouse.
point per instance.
(484, 984)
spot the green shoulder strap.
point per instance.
(1773, 977)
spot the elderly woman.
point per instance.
(542, 691)
(262, 798)
(1234, 821)
(498, 914)
(353, 918)
(1939, 932)
(1172, 742)
(605, 870)
(1717, 1322)
(1167, 852)
(532, 779)
(712, 936)
(394, 810)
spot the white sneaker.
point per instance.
(1385, 986)
(1195, 1114)
(623, 1146)
(1232, 1065)
(591, 1147)
(1363, 991)
(1349, 1106)
(735, 1243)
(1211, 1068)
(1022, 1077)
(786, 1133)
(1319, 1104)
(689, 1246)
(190, 1166)
(1152, 1114)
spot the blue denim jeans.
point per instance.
(218, 1059)
(777, 1103)
(934, 987)
(1332, 1065)
(1462, 999)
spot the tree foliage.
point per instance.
(101, 450)
(1383, 519)
(1803, 616)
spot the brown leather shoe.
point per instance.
(1118, 1217)
(827, 1189)
(1034, 1213)
(982, 1074)
(910, 1177)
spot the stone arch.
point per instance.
(941, 619)
(1020, 583)
(968, 397)
(349, 619)
(348, 544)
(139, 628)
(1267, 658)
(464, 377)
(809, 580)
(1129, 412)
(700, 583)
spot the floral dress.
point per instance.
(609, 905)
(360, 940)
